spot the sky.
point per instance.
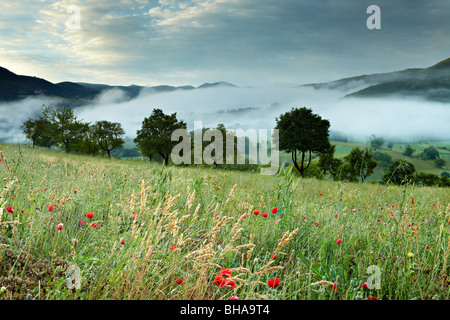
(244, 42)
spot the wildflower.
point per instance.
(275, 210)
(378, 220)
(218, 188)
(256, 212)
(245, 216)
(340, 199)
(364, 285)
(372, 298)
(172, 248)
(273, 283)
(80, 223)
(50, 208)
(410, 255)
(135, 217)
(45, 189)
(230, 284)
(89, 215)
(274, 256)
(336, 215)
(264, 215)
(234, 298)
(94, 225)
(334, 286)
(316, 223)
(179, 280)
(219, 281)
(433, 204)
(427, 247)
(225, 272)
(374, 232)
(122, 241)
(75, 191)
(320, 194)
(10, 209)
(60, 226)
(338, 241)
(304, 217)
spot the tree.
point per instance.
(108, 135)
(390, 145)
(35, 130)
(155, 134)
(408, 151)
(383, 159)
(399, 172)
(302, 131)
(64, 127)
(430, 153)
(440, 163)
(376, 143)
(359, 164)
(328, 163)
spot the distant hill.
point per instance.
(431, 83)
(16, 87)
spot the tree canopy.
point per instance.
(300, 130)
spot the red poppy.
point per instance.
(336, 215)
(179, 280)
(135, 217)
(274, 256)
(94, 225)
(10, 209)
(80, 223)
(372, 298)
(218, 188)
(378, 220)
(225, 272)
(427, 247)
(50, 208)
(264, 215)
(60, 226)
(338, 241)
(275, 210)
(304, 217)
(45, 189)
(316, 223)
(433, 204)
(219, 281)
(234, 298)
(122, 241)
(273, 283)
(335, 285)
(364, 285)
(75, 191)
(256, 212)
(340, 199)
(89, 215)
(230, 284)
(172, 247)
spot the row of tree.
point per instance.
(61, 128)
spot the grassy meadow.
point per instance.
(166, 232)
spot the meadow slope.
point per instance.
(153, 226)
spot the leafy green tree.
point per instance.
(445, 174)
(109, 135)
(399, 172)
(376, 143)
(427, 179)
(302, 131)
(328, 163)
(64, 127)
(430, 153)
(390, 145)
(359, 164)
(440, 163)
(408, 151)
(35, 130)
(155, 135)
(383, 159)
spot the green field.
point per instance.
(192, 222)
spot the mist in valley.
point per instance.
(396, 118)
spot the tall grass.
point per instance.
(191, 222)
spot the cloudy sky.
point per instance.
(245, 42)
